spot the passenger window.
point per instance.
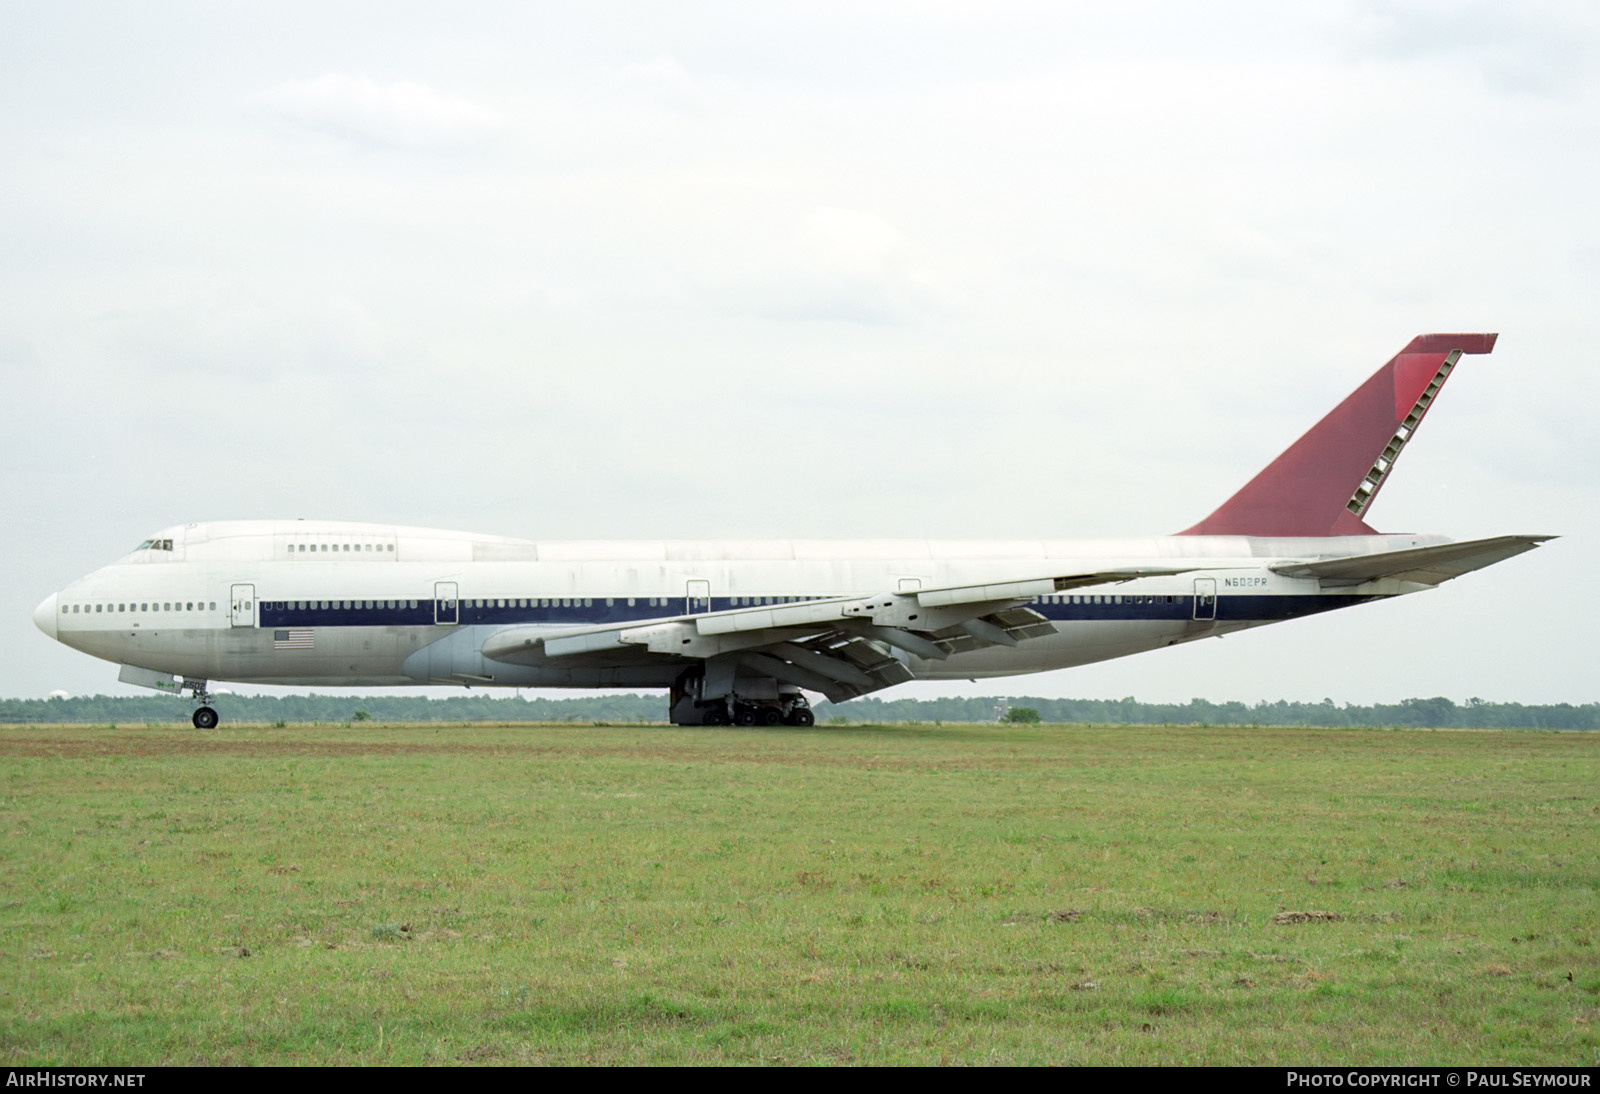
(213, 605)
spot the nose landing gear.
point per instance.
(205, 716)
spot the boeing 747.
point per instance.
(740, 631)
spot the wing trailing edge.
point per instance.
(840, 646)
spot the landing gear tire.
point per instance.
(205, 718)
(714, 718)
(801, 717)
(746, 717)
(771, 716)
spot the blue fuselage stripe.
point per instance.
(598, 611)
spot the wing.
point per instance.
(840, 646)
(1425, 565)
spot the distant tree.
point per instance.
(360, 716)
(1023, 716)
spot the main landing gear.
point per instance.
(797, 713)
(205, 716)
(755, 703)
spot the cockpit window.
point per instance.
(155, 545)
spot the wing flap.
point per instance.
(1030, 588)
(910, 615)
(1424, 565)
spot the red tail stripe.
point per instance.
(1306, 490)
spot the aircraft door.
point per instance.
(445, 605)
(1205, 598)
(242, 609)
(697, 595)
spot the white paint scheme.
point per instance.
(186, 619)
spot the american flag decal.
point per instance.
(293, 640)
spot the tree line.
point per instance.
(1437, 712)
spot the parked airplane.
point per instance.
(738, 631)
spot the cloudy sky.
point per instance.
(823, 269)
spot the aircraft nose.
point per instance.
(44, 616)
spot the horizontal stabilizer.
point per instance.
(1424, 565)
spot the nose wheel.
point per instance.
(205, 715)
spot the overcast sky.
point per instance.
(808, 270)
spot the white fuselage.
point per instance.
(329, 603)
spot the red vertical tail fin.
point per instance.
(1324, 483)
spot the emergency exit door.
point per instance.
(445, 605)
(242, 609)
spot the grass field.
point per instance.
(930, 894)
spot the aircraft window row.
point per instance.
(148, 606)
(539, 602)
(588, 602)
(342, 605)
(346, 548)
(1103, 598)
(155, 545)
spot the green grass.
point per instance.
(963, 894)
